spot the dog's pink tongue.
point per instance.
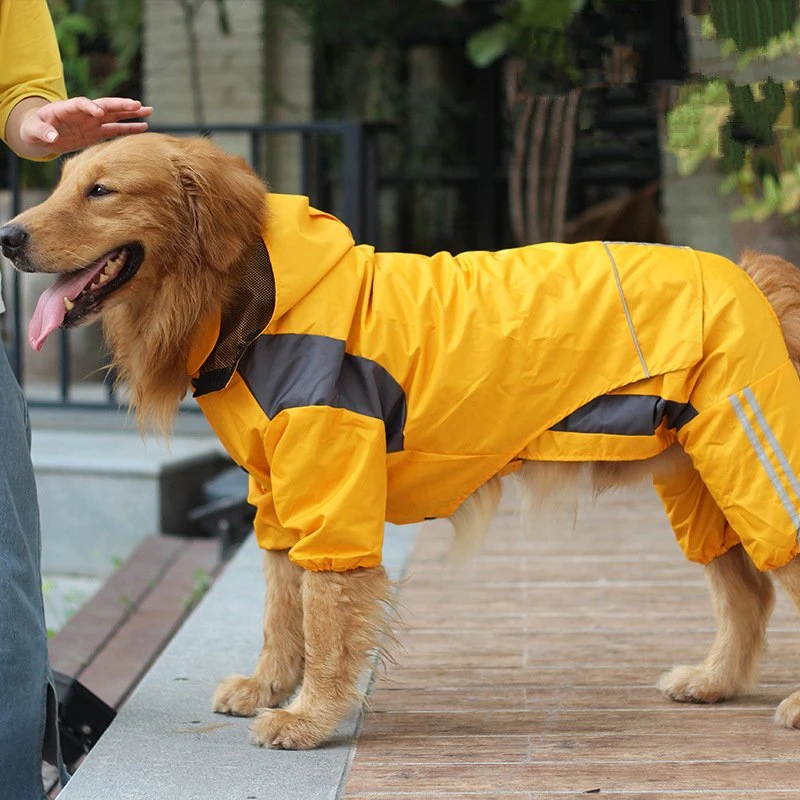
(50, 310)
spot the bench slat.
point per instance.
(115, 670)
(96, 622)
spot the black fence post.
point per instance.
(255, 153)
(486, 233)
(371, 186)
(305, 163)
(64, 367)
(353, 178)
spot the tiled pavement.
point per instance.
(530, 673)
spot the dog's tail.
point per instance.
(549, 492)
(779, 281)
(471, 519)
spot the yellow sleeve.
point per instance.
(30, 64)
(270, 534)
(328, 475)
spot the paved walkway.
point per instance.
(530, 674)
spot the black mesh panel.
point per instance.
(249, 314)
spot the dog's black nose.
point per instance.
(12, 239)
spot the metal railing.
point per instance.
(336, 167)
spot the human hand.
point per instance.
(67, 125)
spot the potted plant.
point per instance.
(747, 123)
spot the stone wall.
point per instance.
(262, 71)
(289, 95)
(231, 67)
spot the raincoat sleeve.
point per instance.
(30, 65)
(269, 533)
(328, 485)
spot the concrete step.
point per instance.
(102, 491)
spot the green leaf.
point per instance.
(751, 23)
(487, 46)
(707, 29)
(742, 213)
(761, 211)
(693, 125)
(772, 192)
(732, 152)
(76, 25)
(729, 184)
(790, 185)
(727, 48)
(796, 108)
(451, 3)
(553, 14)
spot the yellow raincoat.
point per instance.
(356, 387)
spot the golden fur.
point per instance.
(196, 211)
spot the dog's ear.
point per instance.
(226, 200)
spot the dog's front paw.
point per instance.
(694, 685)
(286, 730)
(788, 712)
(243, 696)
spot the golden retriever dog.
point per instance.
(154, 235)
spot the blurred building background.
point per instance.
(498, 122)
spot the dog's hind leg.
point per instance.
(743, 599)
(788, 712)
(280, 665)
(345, 615)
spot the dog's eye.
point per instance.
(98, 190)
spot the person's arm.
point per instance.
(30, 65)
(36, 119)
(37, 128)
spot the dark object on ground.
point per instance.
(226, 514)
(82, 718)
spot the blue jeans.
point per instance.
(28, 708)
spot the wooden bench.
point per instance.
(111, 642)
